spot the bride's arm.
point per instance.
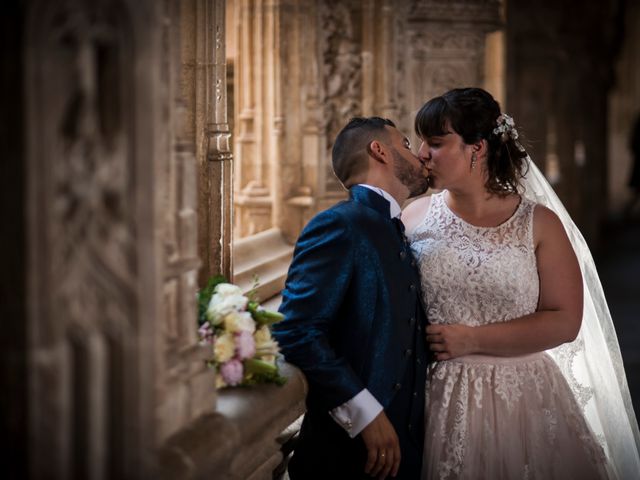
(559, 313)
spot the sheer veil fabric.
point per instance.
(597, 378)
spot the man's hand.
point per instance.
(451, 341)
(383, 448)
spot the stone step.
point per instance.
(266, 255)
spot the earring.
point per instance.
(474, 159)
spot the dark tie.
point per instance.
(400, 226)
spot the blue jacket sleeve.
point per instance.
(316, 284)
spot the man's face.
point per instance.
(408, 168)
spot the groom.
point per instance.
(354, 322)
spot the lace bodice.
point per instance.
(476, 275)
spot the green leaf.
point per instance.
(254, 365)
(266, 317)
(204, 296)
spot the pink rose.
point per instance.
(232, 372)
(245, 345)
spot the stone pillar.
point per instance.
(205, 69)
(379, 78)
(93, 155)
(185, 386)
(303, 123)
(254, 81)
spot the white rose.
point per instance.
(239, 322)
(220, 306)
(224, 347)
(227, 289)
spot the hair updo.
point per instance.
(475, 115)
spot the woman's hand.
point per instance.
(451, 341)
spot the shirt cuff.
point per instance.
(357, 413)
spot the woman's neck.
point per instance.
(479, 207)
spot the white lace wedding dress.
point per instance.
(494, 417)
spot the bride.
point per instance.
(528, 380)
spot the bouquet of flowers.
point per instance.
(238, 329)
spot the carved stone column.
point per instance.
(253, 81)
(207, 63)
(93, 155)
(303, 133)
(380, 81)
(185, 386)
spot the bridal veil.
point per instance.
(592, 364)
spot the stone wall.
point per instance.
(118, 168)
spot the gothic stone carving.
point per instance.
(88, 222)
(341, 72)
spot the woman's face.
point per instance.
(447, 158)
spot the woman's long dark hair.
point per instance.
(472, 113)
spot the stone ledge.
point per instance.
(240, 439)
(267, 255)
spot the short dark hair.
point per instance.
(472, 113)
(349, 154)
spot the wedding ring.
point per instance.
(382, 454)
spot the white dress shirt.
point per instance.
(355, 414)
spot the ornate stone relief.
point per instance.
(447, 54)
(85, 232)
(342, 75)
(92, 230)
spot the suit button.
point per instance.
(408, 352)
(412, 320)
(397, 386)
(419, 362)
(415, 394)
(414, 264)
(409, 427)
(412, 287)
(403, 255)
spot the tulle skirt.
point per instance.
(497, 418)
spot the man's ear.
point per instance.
(377, 150)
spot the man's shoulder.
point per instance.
(349, 209)
(344, 210)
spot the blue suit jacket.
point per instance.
(353, 316)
